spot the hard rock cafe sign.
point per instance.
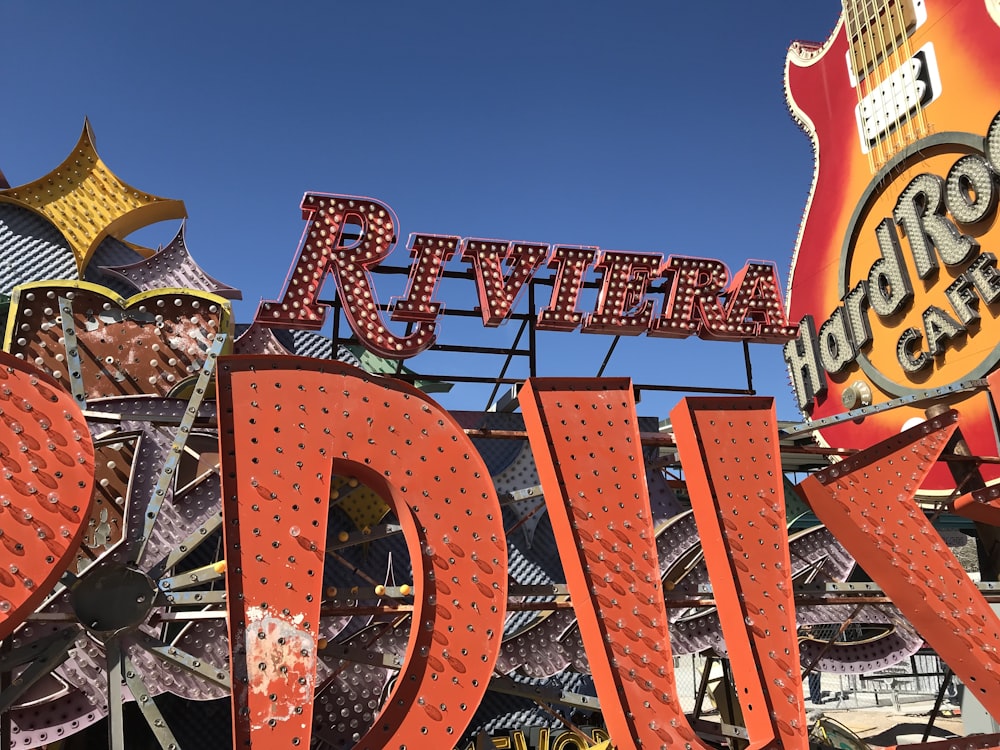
(895, 276)
(919, 289)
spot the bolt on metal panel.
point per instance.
(585, 436)
(287, 426)
(729, 453)
(867, 502)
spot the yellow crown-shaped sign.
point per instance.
(86, 202)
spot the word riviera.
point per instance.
(700, 298)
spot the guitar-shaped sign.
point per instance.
(895, 271)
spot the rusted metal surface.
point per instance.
(113, 460)
(594, 482)
(729, 450)
(147, 344)
(46, 487)
(288, 425)
(867, 502)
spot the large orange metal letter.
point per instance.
(729, 451)
(299, 422)
(585, 437)
(867, 502)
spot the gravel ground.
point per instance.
(880, 727)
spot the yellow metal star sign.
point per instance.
(86, 202)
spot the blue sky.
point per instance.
(644, 126)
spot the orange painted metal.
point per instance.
(982, 505)
(585, 438)
(46, 486)
(287, 426)
(867, 502)
(729, 452)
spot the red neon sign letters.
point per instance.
(348, 236)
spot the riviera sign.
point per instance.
(699, 299)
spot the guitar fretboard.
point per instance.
(893, 85)
(876, 29)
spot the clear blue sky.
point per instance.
(645, 126)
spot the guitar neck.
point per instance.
(892, 82)
(876, 29)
